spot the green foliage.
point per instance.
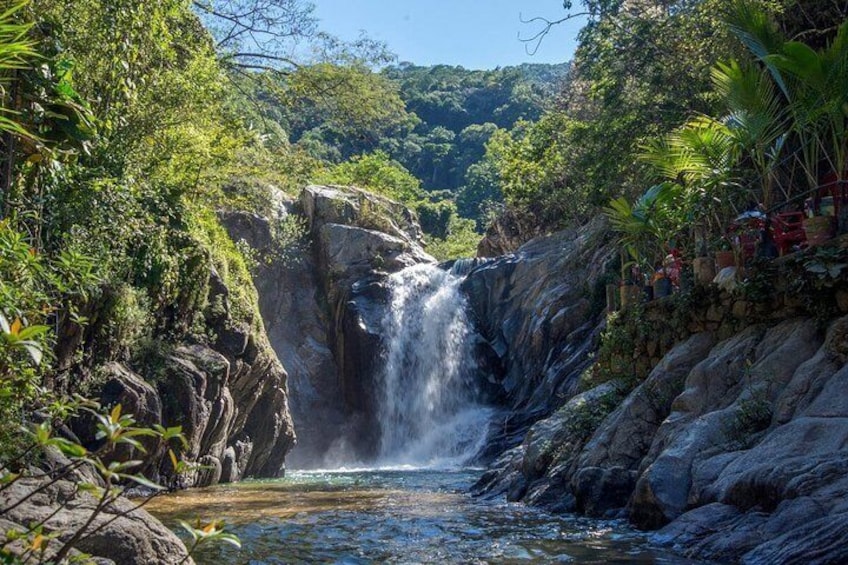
(585, 418)
(127, 320)
(783, 118)
(809, 80)
(33, 289)
(640, 71)
(228, 262)
(348, 107)
(204, 535)
(456, 98)
(542, 167)
(460, 242)
(21, 352)
(434, 121)
(753, 412)
(618, 354)
(436, 217)
(16, 53)
(290, 240)
(481, 194)
(378, 173)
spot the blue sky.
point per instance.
(477, 34)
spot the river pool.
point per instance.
(395, 516)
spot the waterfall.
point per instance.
(428, 411)
(461, 267)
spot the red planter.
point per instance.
(724, 259)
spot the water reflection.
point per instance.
(395, 517)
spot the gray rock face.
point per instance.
(534, 308)
(358, 235)
(124, 387)
(538, 471)
(294, 308)
(121, 533)
(718, 411)
(608, 464)
(322, 307)
(352, 252)
(216, 408)
(322, 205)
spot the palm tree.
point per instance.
(756, 119)
(16, 51)
(699, 157)
(812, 84)
(645, 227)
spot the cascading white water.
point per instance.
(428, 413)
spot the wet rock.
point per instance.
(229, 466)
(209, 472)
(349, 253)
(504, 475)
(228, 391)
(358, 240)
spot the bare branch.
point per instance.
(533, 42)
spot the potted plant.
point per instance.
(812, 81)
(724, 254)
(644, 227)
(630, 291)
(661, 284)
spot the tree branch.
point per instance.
(533, 42)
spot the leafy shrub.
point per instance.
(436, 217)
(378, 173)
(127, 320)
(461, 242)
(228, 262)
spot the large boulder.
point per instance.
(718, 409)
(121, 532)
(359, 239)
(351, 206)
(350, 253)
(538, 470)
(736, 448)
(139, 398)
(261, 430)
(197, 398)
(608, 466)
(229, 393)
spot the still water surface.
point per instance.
(395, 516)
